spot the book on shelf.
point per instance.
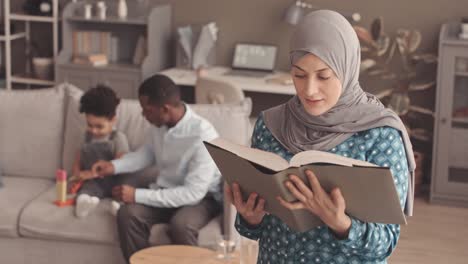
(114, 49)
(369, 190)
(92, 42)
(140, 51)
(91, 59)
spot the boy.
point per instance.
(101, 142)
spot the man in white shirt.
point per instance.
(185, 189)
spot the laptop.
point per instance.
(253, 60)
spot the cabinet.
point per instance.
(124, 82)
(450, 158)
(153, 22)
(77, 77)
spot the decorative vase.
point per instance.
(122, 10)
(101, 5)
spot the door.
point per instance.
(451, 152)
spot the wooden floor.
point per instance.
(435, 234)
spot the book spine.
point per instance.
(86, 43)
(95, 39)
(75, 43)
(114, 49)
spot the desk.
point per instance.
(178, 254)
(184, 77)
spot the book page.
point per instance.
(266, 159)
(315, 156)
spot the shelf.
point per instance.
(110, 20)
(24, 17)
(462, 74)
(13, 36)
(463, 120)
(455, 41)
(23, 79)
(111, 66)
(421, 138)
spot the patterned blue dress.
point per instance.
(366, 242)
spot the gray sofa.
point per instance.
(39, 132)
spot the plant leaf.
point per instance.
(377, 28)
(421, 134)
(426, 58)
(383, 43)
(384, 93)
(421, 86)
(421, 110)
(391, 53)
(364, 36)
(402, 43)
(414, 40)
(400, 103)
(367, 64)
(365, 49)
(402, 40)
(389, 76)
(377, 72)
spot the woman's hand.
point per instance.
(329, 207)
(251, 210)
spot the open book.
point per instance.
(369, 190)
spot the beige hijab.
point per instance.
(329, 36)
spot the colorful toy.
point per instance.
(61, 188)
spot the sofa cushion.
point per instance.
(44, 220)
(1, 179)
(75, 126)
(31, 132)
(230, 120)
(16, 194)
(40, 251)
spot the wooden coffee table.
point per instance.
(179, 254)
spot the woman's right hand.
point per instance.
(251, 210)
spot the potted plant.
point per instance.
(399, 75)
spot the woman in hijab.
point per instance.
(330, 112)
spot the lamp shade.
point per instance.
(298, 9)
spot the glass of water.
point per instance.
(225, 247)
(248, 251)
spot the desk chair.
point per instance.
(212, 91)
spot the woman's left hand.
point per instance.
(329, 207)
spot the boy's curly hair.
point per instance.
(99, 101)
